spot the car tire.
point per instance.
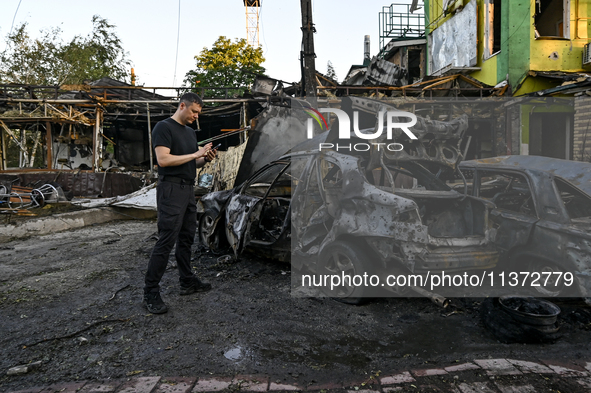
(209, 235)
(505, 328)
(351, 259)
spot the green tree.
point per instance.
(31, 61)
(98, 55)
(330, 72)
(226, 64)
(48, 61)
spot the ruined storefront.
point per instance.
(95, 140)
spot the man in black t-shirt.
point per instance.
(178, 157)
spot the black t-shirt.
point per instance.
(180, 140)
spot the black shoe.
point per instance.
(154, 303)
(195, 285)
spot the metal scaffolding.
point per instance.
(399, 22)
(252, 9)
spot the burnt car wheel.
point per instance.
(344, 259)
(554, 285)
(209, 236)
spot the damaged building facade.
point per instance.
(535, 49)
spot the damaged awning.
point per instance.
(572, 83)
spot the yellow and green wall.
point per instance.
(520, 51)
(522, 56)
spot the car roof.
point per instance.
(576, 172)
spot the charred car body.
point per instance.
(375, 211)
(542, 216)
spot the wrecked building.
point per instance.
(494, 47)
(402, 39)
(95, 140)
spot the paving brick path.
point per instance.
(481, 375)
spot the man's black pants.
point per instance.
(177, 222)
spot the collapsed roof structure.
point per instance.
(95, 139)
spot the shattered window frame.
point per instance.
(330, 173)
(266, 185)
(583, 200)
(528, 204)
(492, 35)
(419, 175)
(313, 197)
(540, 24)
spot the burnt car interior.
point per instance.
(512, 191)
(509, 191)
(274, 188)
(438, 205)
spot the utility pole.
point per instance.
(307, 55)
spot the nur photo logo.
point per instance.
(393, 121)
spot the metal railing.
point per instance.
(397, 22)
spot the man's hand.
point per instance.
(211, 155)
(203, 151)
(166, 159)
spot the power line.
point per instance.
(12, 25)
(263, 30)
(178, 33)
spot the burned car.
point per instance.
(377, 210)
(256, 213)
(542, 216)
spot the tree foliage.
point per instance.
(226, 64)
(47, 60)
(330, 72)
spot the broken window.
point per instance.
(258, 186)
(311, 199)
(414, 65)
(275, 207)
(22, 147)
(507, 190)
(402, 179)
(551, 18)
(331, 175)
(577, 204)
(492, 40)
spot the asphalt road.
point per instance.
(72, 301)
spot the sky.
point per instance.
(149, 29)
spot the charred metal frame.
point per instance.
(47, 107)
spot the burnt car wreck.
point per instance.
(542, 216)
(411, 211)
(333, 211)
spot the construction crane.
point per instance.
(252, 7)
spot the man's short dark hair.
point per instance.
(191, 98)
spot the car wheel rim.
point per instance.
(550, 289)
(340, 264)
